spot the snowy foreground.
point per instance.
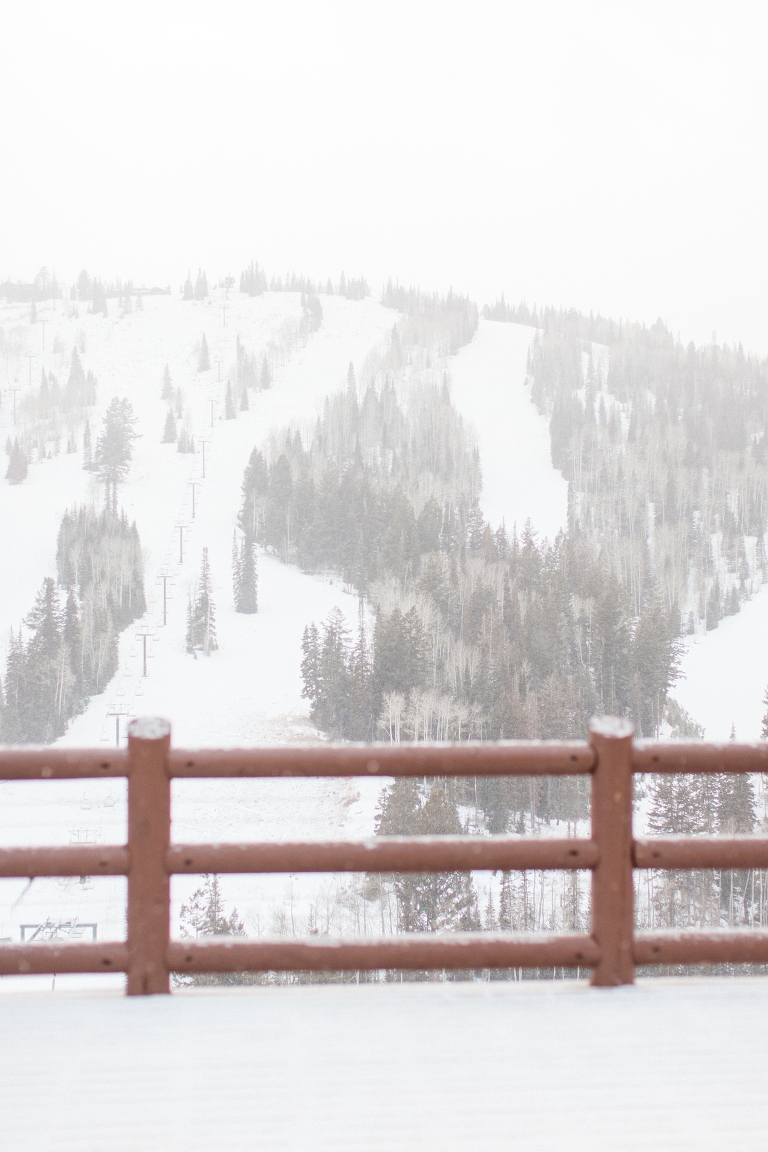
(538, 1067)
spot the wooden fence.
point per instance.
(612, 949)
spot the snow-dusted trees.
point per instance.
(252, 280)
(114, 447)
(167, 392)
(66, 650)
(198, 290)
(205, 914)
(229, 404)
(99, 558)
(17, 463)
(431, 902)
(201, 613)
(204, 359)
(244, 575)
(666, 451)
(169, 431)
(337, 678)
(357, 499)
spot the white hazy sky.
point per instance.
(606, 156)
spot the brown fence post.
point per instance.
(149, 834)
(612, 891)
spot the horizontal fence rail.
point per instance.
(611, 950)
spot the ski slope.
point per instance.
(488, 388)
(247, 692)
(725, 673)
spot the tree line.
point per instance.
(67, 648)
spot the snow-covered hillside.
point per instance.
(488, 388)
(248, 691)
(725, 673)
(256, 676)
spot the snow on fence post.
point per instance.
(612, 890)
(149, 834)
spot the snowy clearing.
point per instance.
(488, 388)
(726, 672)
(544, 1066)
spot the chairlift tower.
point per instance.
(182, 528)
(118, 710)
(145, 633)
(166, 577)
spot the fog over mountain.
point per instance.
(384, 372)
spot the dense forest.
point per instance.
(477, 633)
(665, 451)
(67, 647)
(66, 650)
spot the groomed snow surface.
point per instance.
(488, 388)
(725, 673)
(547, 1067)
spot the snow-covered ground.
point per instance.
(488, 388)
(536, 1067)
(725, 673)
(247, 692)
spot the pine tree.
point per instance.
(310, 666)
(229, 405)
(201, 285)
(204, 361)
(430, 902)
(246, 599)
(167, 392)
(244, 405)
(764, 728)
(87, 448)
(235, 569)
(17, 465)
(265, 379)
(201, 614)
(169, 432)
(72, 635)
(205, 915)
(114, 447)
(188, 291)
(47, 683)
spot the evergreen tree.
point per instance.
(265, 379)
(47, 680)
(72, 635)
(431, 902)
(201, 285)
(76, 381)
(244, 405)
(169, 432)
(201, 614)
(17, 465)
(245, 576)
(235, 568)
(114, 447)
(167, 392)
(87, 448)
(188, 291)
(764, 728)
(229, 406)
(205, 915)
(204, 361)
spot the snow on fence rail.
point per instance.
(611, 950)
